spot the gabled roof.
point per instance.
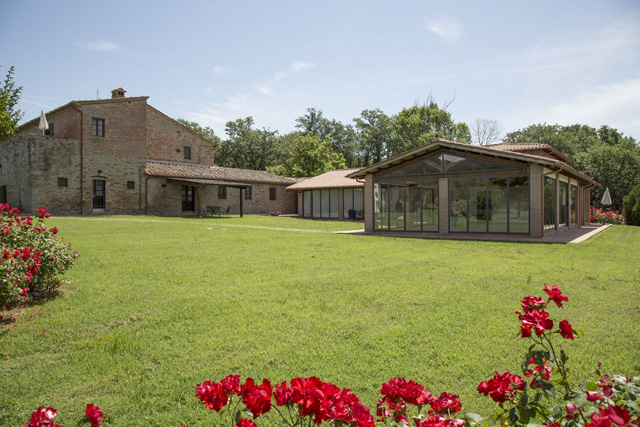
(530, 146)
(331, 179)
(72, 103)
(194, 171)
(440, 143)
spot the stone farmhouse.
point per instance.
(122, 156)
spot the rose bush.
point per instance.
(541, 396)
(32, 258)
(600, 216)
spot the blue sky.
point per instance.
(519, 62)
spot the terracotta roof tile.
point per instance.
(529, 146)
(186, 170)
(331, 179)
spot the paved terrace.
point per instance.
(574, 235)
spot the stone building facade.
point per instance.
(95, 156)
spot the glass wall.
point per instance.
(497, 207)
(573, 208)
(320, 203)
(549, 202)
(410, 206)
(519, 204)
(352, 198)
(458, 205)
(564, 203)
(489, 205)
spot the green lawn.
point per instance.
(158, 305)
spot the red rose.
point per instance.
(282, 393)
(231, 384)
(566, 330)
(537, 319)
(245, 423)
(92, 414)
(555, 294)
(571, 410)
(593, 396)
(43, 417)
(446, 404)
(212, 395)
(257, 399)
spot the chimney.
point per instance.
(118, 93)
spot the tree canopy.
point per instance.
(604, 154)
(9, 97)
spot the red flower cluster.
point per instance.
(539, 373)
(440, 421)
(310, 396)
(397, 393)
(611, 415)
(606, 384)
(244, 422)
(534, 316)
(502, 387)
(43, 417)
(43, 213)
(92, 415)
(324, 401)
(257, 399)
(446, 404)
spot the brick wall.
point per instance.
(167, 138)
(31, 166)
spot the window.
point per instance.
(97, 127)
(62, 182)
(549, 202)
(131, 185)
(188, 198)
(222, 192)
(50, 130)
(187, 153)
(3, 194)
(272, 193)
(248, 193)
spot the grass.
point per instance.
(158, 305)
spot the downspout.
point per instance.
(146, 192)
(81, 157)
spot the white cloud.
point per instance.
(444, 27)
(101, 44)
(221, 69)
(614, 104)
(299, 66)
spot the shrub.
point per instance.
(599, 216)
(32, 258)
(631, 206)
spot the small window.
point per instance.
(50, 130)
(3, 194)
(131, 185)
(97, 127)
(222, 192)
(272, 193)
(248, 193)
(187, 153)
(62, 182)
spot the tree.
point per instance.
(311, 156)
(631, 208)
(421, 124)
(375, 136)
(248, 148)
(9, 97)
(486, 131)
(606, 155)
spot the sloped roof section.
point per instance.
(331, 179)
(185, 170)
(440, 143)
(530, 146)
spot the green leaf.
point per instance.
(513, 416)
(524, 399)
(523, 414)
(475, 417)
(580, 400)
(548, 389)
(237, 417)
(591, 386)
(579, 332)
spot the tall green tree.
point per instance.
(421, 124)
(205, 132)
(249, 148)
(374, 130)
(311, 156)
(9, 97)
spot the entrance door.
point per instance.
(99, 196)
(188, 199)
